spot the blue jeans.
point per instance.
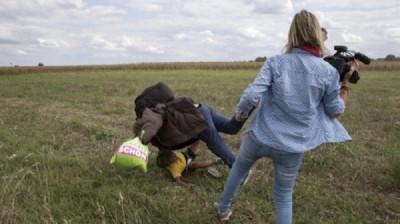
(286, 166)
(218, 123)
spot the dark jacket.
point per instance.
(172, 125)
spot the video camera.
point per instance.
(340, 61)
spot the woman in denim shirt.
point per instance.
(299, 98)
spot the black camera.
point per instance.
(340, 61)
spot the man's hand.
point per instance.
(240, 118)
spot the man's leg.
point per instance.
(213, 139)
(223, 124)
(216, 144)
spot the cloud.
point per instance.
(4, 41)
(143, 5)
(100, 12)
(21, 52)
(126, 31)
(126, 43)
(393, 33)
(251, 32)
(205, 36)
(53, 43)
(271, 6)
(351, 38)
(181, 36)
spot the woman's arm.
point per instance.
(254, 91)
(344, 89)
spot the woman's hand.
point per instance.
(347, 76)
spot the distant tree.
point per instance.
(261, 59)
(390, 57)
(40, 64)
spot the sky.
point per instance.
(96, 32)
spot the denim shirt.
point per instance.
(297, 93)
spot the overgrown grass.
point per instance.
(58, 132)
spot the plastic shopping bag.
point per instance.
(132, 154)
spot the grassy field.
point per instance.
(58, 131)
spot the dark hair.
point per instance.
(165, 158)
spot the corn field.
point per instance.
(377, 65)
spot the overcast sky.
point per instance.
(83, 32)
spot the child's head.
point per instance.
(165, 158)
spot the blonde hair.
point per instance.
(304, 30)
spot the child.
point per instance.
(177, 162)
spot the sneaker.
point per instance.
(218, 161)
(246, 178)
(214, 172)
(226, 217)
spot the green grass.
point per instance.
(58, 132)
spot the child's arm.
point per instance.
(201, 164)
(180, 182)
